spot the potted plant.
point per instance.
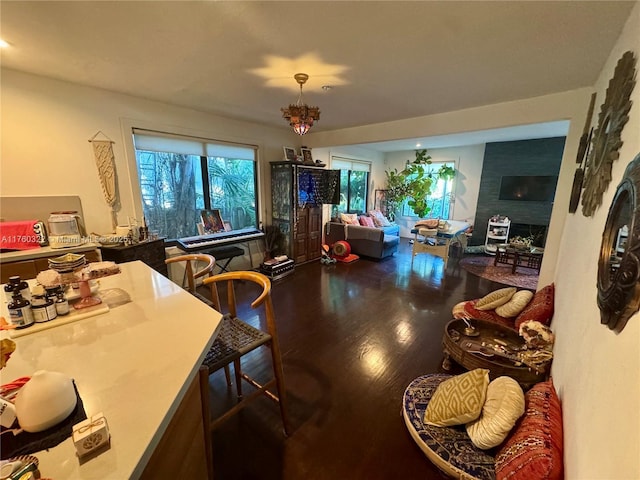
(414, 183)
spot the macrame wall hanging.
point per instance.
(105, 162)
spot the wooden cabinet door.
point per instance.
(314, 243)
(301, 235)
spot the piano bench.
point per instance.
(224, 253)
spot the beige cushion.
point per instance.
(514, 306)
(502, 408)
(495, 298)
(349, 218)
(458, 400)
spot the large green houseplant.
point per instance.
(414, 183)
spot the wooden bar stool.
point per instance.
(237, 338)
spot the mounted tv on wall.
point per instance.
(532, 188)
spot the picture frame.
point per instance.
(290, 154)
(212, 221)
(307, 157)
(227, 226)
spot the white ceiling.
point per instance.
(386, 60)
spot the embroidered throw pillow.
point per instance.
(540, 308)
(517, 303)
(379, 219)
(533, 449)
(349, 218)
(366, 221)
(502, 408)
(495, 298)
(458, 400)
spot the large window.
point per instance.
(439, 201)
(354, 185)
(180, 176)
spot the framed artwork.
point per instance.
(306, 156)
(211, 221)
(290, 154)
(380, 202)
(227, 226)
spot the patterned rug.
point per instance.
(482, 266)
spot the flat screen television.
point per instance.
(531, 188)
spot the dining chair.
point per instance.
(198, 265)
(237, 338)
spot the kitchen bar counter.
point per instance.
(28, 263)
(43, 252)
(134, 363)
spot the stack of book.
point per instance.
(277, 267)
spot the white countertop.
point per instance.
(133, 363)
(44, 252)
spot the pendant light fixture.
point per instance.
(301, 116)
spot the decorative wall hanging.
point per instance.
(105, 162)
(619, 262)
(606, 137)
(583, 149)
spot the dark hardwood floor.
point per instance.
(353, 336)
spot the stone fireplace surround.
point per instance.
(524, 157)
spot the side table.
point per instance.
(150, 252)
(477, 351)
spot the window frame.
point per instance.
(355, 165)
(433, 167)
(128, 126)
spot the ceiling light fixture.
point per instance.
(301, 116)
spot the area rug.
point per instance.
(482, 266)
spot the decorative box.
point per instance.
(91, 434)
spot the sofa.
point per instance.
(373, 242)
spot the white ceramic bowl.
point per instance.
(45, 400)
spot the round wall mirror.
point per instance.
(619, 263)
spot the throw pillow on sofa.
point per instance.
(349, 218)
(540, 308)
(458, 400)
(516, 305)
(502, 408)
(379, 219)
(495, 299)
(533, 449)
(366, 221)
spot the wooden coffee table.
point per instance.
(518, 258)
(494, 347)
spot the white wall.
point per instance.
(597, 372)
(468, 160)
(46, 124)
(44, 149)
(571, 106)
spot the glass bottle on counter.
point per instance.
(62, 304)
(20, 311)
(43, 309)
(15, 283)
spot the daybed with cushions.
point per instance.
(362, 234)
(472, 429)
(510, 307)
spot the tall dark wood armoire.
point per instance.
(297, 194)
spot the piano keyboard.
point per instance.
(200, 242)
